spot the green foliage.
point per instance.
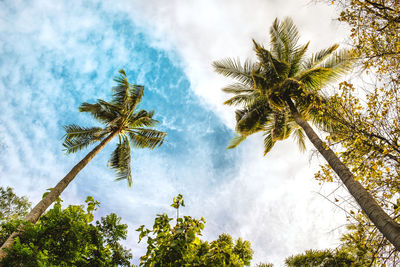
(66, 237)
(12, 206)
(180, 245)
(264, 265)
(323, 258)
(178, 202)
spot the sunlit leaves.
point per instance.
(325, 258)
(375, 33)
(367, 136)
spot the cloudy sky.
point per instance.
(54, 55)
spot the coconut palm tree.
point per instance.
(121, 118)
(281, 92)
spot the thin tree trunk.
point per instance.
(43, 204)
(386, 225)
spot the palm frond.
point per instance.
(319, 57)
(73, 145)
(297, 59)
(243, 99)
(136, 95)
(236, 140)
(340, 63)
(121, 90)
(120, 161)
(331, 69)
(102, 110)
(146, 138)
(238, 88)
(315, 78)
(75, 131)
(234, 69)
(142, 118)
(321, 117)
(299, 136)
(268, 141)
(284, 38)
(126, 95)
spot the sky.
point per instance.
(54, 55)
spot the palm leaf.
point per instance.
(243, 99)
(136, 95)
(340, 63)
(75, 144)
(142, 118)
(146, 138)
(284, 38)
(268, 141)
(120, 161)
(75, 131)
(319, 57)
(299, 136)
(297, 59)
(102, 110)
(315, 78)
(121, 90)
(235, 141)
(281, 73)
(237, 88)
(234, 69)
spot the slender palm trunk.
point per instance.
(386, 225)
(43, 204)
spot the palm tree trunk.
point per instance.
(386, 225)
(43, 204)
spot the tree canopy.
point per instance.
(11, 205)
(180, 244)
(68, 237)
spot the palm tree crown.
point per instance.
(280, 74)
(120, 116)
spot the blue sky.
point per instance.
(54, 55)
